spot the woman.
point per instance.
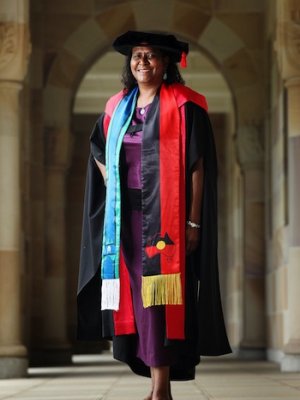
(156, 221)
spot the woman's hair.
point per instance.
(172, 73)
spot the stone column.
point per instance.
(55, 320)
(55, 348)
(288, 52)
(250, 154)
(14, 50)
(291, 359)
(13, 354)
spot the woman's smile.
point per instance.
(143, 70)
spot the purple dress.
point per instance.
(150, 322)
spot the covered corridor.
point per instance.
(56, 71)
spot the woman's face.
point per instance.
(147, 65)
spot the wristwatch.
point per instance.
(193, 224)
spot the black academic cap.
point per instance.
(177, 49)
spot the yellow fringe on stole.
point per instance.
(161, 289)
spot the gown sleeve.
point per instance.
(97, 140)
(200, 144)
(202, 264)
(89, 325)
(197, 125)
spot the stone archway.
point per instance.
(237, 58)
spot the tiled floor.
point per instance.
(101, 378)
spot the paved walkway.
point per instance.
(101, 378)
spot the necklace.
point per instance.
(146, 101)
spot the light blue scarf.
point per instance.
(119, 123)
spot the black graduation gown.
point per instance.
(204, 326)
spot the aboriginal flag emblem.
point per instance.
(159, 244)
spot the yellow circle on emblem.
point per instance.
(160, 245)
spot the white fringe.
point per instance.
(110, 299)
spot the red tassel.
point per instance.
(183, 62)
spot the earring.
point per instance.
(165, 76)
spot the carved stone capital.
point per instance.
(15, 49)
(287, 43)
(250, 146)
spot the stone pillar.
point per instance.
(250, 154)
(291, 359)
(288, 52)
(55, 319)
(14, 45)
(54, 348)
(13, 354)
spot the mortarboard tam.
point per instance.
(175, 48)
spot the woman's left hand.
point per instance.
(192, 238)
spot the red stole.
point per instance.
(172, 125)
